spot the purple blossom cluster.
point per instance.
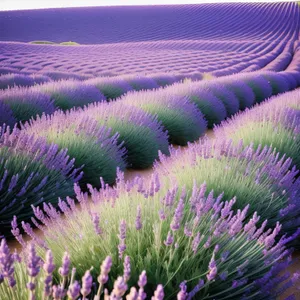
(22, 104)
(68, 94)
(95, 149)
(142, 134)
(31, 171)
(12, 80)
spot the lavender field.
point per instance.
(150, 152)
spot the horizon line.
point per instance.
(51, 4)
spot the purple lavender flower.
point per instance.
(120, 287)
(65, 268)
(196, 241)
(178, 215)
(74, 290)
(196, 289)
(48, 267)
(169, 240)
(142, 279)
(122, 237)
(212, 267)
(159, 293)
(96, 221)
(162, 215)
(105, 269)
(138, 223)
(182, 295)
(127, 268)
(58, 292)
(32, 261)
(133, 295)
(87, 281)
(7, 263)
(187, 231)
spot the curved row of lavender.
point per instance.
(19, 104)
(172, 236)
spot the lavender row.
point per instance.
(20, 104)
(149, 240)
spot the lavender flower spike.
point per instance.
(141, 283)
(138, 222)
(142, 280)
(133, 295)
(48, 267)
(212, 269)
(105, 269)
(122, 237)
(127, 268)
(159, 293)
(169, 240)
(74, 290)
(120, 287)
(182, 295)
(87, 281)
(33, 261)
(7, 263)
(96, 221)
(33, 268)
(65, 268)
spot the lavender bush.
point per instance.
(11, 80)
(91, 145)
(228, 98)
(163, 79)
(69, 94)
(278, 83)
(141, 133)
(25, 103)
(212, 108)
(110, 87)
(241, 90)
(31, 172)
(270, 123)
(259, 177)
(181, 118)
(192, 246)
(6, 114)
(259, 85)
(139, 83)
